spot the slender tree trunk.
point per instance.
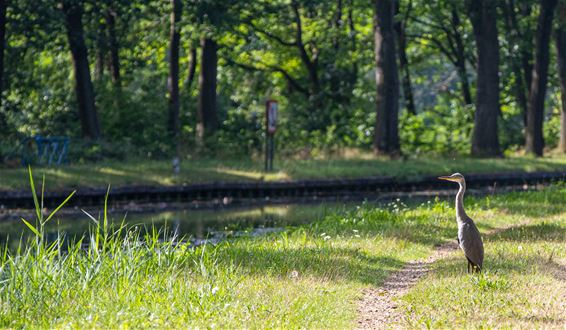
(311, 64)
(353, 37)
(100, 50)
(404, 62)
(515, 39)
(461, 58)
(336, 79)
(173, 124)
(113, 45)
(561, 59)
(534, 140)
(386, 140)
(337, 25)
(526, 52)
(83, 83)
(2, 45)
(485, 141)
(192, 67)
(206, 111)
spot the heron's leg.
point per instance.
(470, 265)
(477, 268)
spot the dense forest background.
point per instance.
(137, 78)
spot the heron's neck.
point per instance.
(460, 212)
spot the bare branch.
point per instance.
(311, 66)
(429, 24)
(438, 45)
(271, 68)
(271, 35)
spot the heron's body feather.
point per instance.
(471, 242)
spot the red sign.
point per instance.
(271, 108)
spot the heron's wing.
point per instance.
(471, 242)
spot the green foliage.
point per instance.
(326, 88)
(445, 129)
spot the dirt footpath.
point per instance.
(377, 308)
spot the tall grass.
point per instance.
(60, 275)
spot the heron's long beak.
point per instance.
(447, 178)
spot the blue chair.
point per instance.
(50, 150)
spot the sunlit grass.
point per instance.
(254, 174)
(143, 172)
(524, 284)
(309, 276)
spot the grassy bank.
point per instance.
(142, 172)
(310, 276)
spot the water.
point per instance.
(214, 225)
(197, 225)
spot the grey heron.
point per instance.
(469, 237)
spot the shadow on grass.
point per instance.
(415, 167)
(332, 263)
(120, 174)
(338, 263)
(515, 262)
(547, 202)
(498, 263)
(326, 263)
(531, 233)
(425, 233)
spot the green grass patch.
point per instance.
(144, 172)
(309, 276)
(524, 285)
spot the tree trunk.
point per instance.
(461, 58)
(561, 59)
(113, 46)
(311, 64)
(485, 141)
(206, 111)
(386, 140)
(526, 53)
(101, 48)
(2, 45)
(83, 83)
(337, 25)
(521, 62)
(534, 140)
(173, 124)
(353, 33)
(336, 78)
(404, 62)
(192, 67)
(517, 62)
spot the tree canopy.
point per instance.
(396, 76)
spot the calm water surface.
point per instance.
(197, 225)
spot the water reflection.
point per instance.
(197, 225)
(213, 225)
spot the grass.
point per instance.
(524, 286)
(147, 172)
(309, 276)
